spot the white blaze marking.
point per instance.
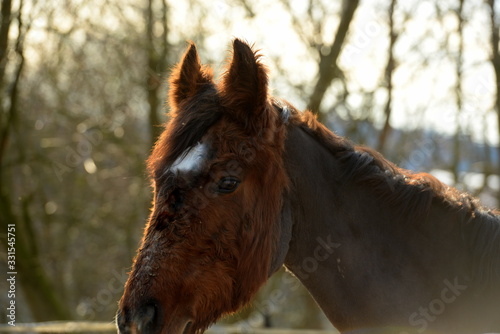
(191, 159)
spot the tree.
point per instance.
(388, 73)
(328, 69)
(82, 93)
(158, 47)
(40, 292)
(495, 62)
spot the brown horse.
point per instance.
(244, 183)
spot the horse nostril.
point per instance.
(141, 321)
(122, 322)
(187, 327)
(146, 318)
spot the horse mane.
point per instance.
(413, 194)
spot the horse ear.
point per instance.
(244, 85)
(188, 77)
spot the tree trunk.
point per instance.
(152, 81)
(389, 69)
(495, 61)
(458, 97)
(43, 300)
(4, 34)
(40, 294)
(328, 62)
(5, 119)
(156, 64)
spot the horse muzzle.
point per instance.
(149, 319)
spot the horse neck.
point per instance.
(352, 250)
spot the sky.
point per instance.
(424, 79)
(423, 94)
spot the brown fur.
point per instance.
(204, 254)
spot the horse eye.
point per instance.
(227, 185)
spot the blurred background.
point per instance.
(83, 85)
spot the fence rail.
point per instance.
(108, 327)
(60, 327)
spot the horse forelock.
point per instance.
(184, 130)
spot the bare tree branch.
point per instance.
(495, 61)
(4, 35)
(5, 128)
(328, 62)
(43, 299)
(389, 69)
(458, 93)
(156, 63)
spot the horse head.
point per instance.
(213, 236)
